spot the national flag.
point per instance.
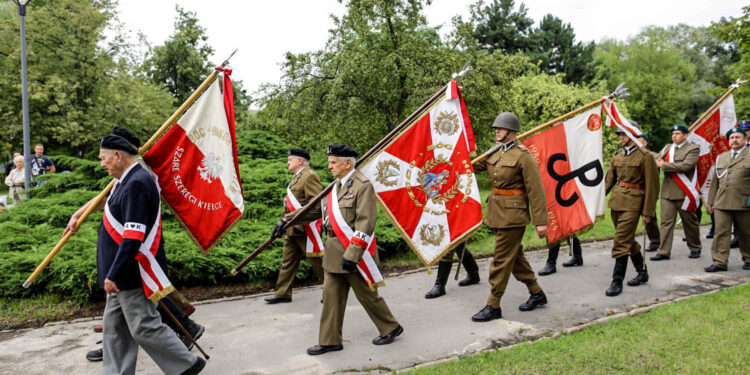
(709, 135)
(425, 182)
(615, 119)
(569, 156)
(196, 163)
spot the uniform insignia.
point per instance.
(387, 173)
(212, 168)
(447, 123)
(432, 234)
(348, 196)
(349, 183)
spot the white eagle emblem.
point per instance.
(211, 168)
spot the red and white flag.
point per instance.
(569, 156)
(314, 246)
(709, 135)
(196, 162)
(425, 182)
(615, 119)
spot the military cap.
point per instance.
(115, 142)
(680, 127)
(298, 152)
(736, 130)
(507, 120)
(642, 135)
(128, 135)
(342, 151)
(744, 124)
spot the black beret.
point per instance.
(128, 135)
(299, 153)
(342, 151)
(115, 142)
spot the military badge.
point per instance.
(447, 123)
(432, 234)
(387, 173)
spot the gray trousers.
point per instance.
(669, 210)
(131, 320)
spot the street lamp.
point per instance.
(25, 94)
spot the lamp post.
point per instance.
(25, 94)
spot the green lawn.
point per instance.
(703, 335)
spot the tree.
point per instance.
(80, 84)
(181, 63)
(498, 27)
(735, 32)
(553, 45)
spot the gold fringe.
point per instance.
(377, 284)
(315, 255)
(159, 294)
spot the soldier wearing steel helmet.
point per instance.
(634, 181)
(516, 184)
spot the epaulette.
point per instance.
(361, 177)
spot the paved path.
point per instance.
(246, 336)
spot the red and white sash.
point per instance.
(367, 267)
(156, 285)
(314, 245)
(688, 186)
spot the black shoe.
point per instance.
(387, 339)
(713, 268)
(487, 313)
(196, 330)
(273, 300)
(642, 276)
(470, 279)
(538, 299)
(651, 249)
(684, 239)
(323, 349)
(614, 289)
(659, 257)
(444, 271)
(734, 243)
(95, 355)
(547, 270)
(196, 368)
(710, 234)
(746, 266)
(694, 254)
(573, 262)
(472, 270)
(618, 275)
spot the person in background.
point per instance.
(15, 180)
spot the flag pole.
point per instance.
(99, 198)
(620, 92)
(732, 87)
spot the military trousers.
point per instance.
(294, 251)
(653, 234)
(669, 210)
(626, 223)
(335, 294)
(130, 321)
(509, 259)
(722, 234)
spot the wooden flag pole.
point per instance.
(100, 198)
(619, 93)
(733, 87)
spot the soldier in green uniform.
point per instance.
(652, 228)
(444, 270)
(358, 210)
(305, 185)
(516, 183)
(683, 157)
(728, 199)
(634, 178)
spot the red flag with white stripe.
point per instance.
(196, 163)
(569, 156)
(425, 182)
(709, 135)
(615, 119)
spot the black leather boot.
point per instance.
(444, 270)
(577, 259)
(642, 276)
(472, 270)
(535, 300)
(710, 233)
(618, 275)
(551, 266)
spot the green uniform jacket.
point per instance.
(731, 190)
(514, 169)
(685, 159)
(305, 186)
(637, 168)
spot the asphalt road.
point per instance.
(247, 336)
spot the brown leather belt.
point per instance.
(632, 186)
(508, 192)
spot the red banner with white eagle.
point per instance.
(569, 156)
(425, 182)
(196, 162)
(709, 135)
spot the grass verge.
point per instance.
(702, 335)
